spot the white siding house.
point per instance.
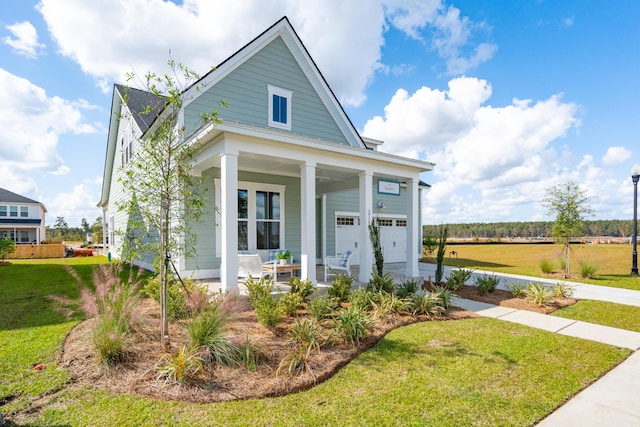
(21, 219)
(282, 170)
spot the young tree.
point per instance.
(96, 229)
(7, 247)
(442, 244)
(569, 204)
(166, 199)
(85, 225)
(374, 235)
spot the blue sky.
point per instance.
(506, 97)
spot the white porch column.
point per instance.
(364, 241)
(229, 220)
(413, 224)
(308, 220)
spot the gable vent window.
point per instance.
(279, 107)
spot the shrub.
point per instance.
(179, 295)
(290, 303)
(181, 367)
(7, 247)
(546, 265)
(321, 307)
(518, 290)
(267, 309)
(457, 278)
(351, 325)
(406, 288)
(486, 283)
(588, 268)
(304, 288)
(428, 303)
(538, 294)
(381, 282)
(340, 287)
(362, 298)
(208, 332)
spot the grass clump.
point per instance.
(428, 303)
(539, 294)
(518, 290)
(113, 305)
(180, 367)
(588, 268)
(351, 324)
(546, 265)
(208, 334)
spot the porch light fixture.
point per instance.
(382, 206)
(635, 176)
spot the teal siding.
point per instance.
(245, 90)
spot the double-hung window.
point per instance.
(24, 211)
(13, 211)
(3, 210)
(279, 107)
(260, 217)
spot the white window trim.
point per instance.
(251, 187)
(274, 90)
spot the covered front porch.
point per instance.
(272, 194)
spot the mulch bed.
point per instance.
(138, 375)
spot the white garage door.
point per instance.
(393, 237)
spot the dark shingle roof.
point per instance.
(7, 196)
(139, 101)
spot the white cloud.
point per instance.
(615, 156)
(489, 160)
(30, 126)
(111, 39)
(26, 39)
(79, 203)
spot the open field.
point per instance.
(613, 261)
(446, 373)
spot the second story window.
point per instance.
(279, 107)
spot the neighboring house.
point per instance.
(285, 169)
(21, 219)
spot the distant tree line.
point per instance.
(530, 229)
(60, 231)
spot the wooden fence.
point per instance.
(53, 250)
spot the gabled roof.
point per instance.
(283, 28)
(144, 106)
(7, 196)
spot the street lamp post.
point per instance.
(635, 176)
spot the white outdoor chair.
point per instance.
(333, 264)
(250, 265)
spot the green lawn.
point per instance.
(603, 313)
(468, 372)
(613, 261)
